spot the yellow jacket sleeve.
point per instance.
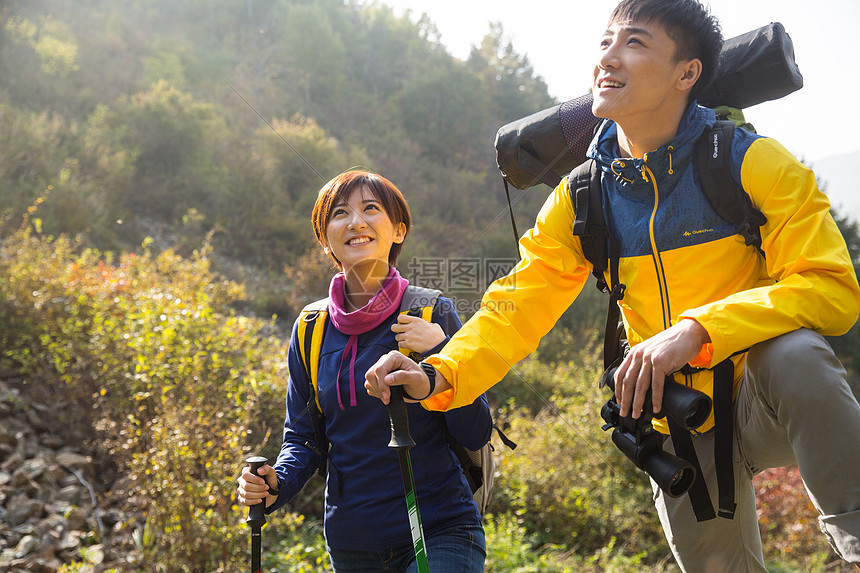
(517, 310)
(810, 280)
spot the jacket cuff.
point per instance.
(705, 356)
(443, 400)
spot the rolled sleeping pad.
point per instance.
(545, 146)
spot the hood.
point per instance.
(667, 160)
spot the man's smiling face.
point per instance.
(636, 72)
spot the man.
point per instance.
(696, 294)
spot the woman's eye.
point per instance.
(337, 212)
(372, 207)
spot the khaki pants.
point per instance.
(794, 406)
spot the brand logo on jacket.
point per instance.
(697, 232)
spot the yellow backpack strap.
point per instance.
(418, 301)
(312, 324)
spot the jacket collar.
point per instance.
(667, 160)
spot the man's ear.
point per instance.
(690, 71)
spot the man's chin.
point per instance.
(601, 109)
(600, 112)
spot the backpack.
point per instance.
(478, 465)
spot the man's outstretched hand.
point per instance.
(395, 369)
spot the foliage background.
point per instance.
(158, 164)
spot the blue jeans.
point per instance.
(460, 548)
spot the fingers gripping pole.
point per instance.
(402, 441)
(256, 518)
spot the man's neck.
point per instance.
(638, 136)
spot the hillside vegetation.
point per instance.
(158, 165)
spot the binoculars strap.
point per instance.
(699, 497)
(724, 374)
(723, 432)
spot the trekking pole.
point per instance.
(256, 517)
(402, 441)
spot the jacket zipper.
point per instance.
(655, 254)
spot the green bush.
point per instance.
(566, 481)
(178, 387)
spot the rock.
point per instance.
(57, 473)
(35, 467)
(76, 518)
(68, 479)
(19, 478)
(47, 516)
(27, 545)
(69, 459)
(6, 437)
(52, 523)
(70, 541)
(12, 462)
(19, 509)
(95, 553)
(34, 418)
(43, 562)
(52, 441)
(28, 445)
(70, 494)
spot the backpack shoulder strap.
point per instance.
(421, 299)
(418, 301)
(589, 223)
(312, 324)
(599, 247)
(726, 196)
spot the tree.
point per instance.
(847, 346)
(508, 77)
(176, 140)
(314, 52)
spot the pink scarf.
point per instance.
(362, 320)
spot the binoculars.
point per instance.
(687, 407)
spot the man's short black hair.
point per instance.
(696, 33)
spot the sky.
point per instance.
(560, 38)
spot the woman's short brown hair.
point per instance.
(342, 186)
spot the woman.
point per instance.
(361, 221)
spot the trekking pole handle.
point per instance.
(256, 513)
(400, 437)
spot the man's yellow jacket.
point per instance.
(679, 259)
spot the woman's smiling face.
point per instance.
(360, 231)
